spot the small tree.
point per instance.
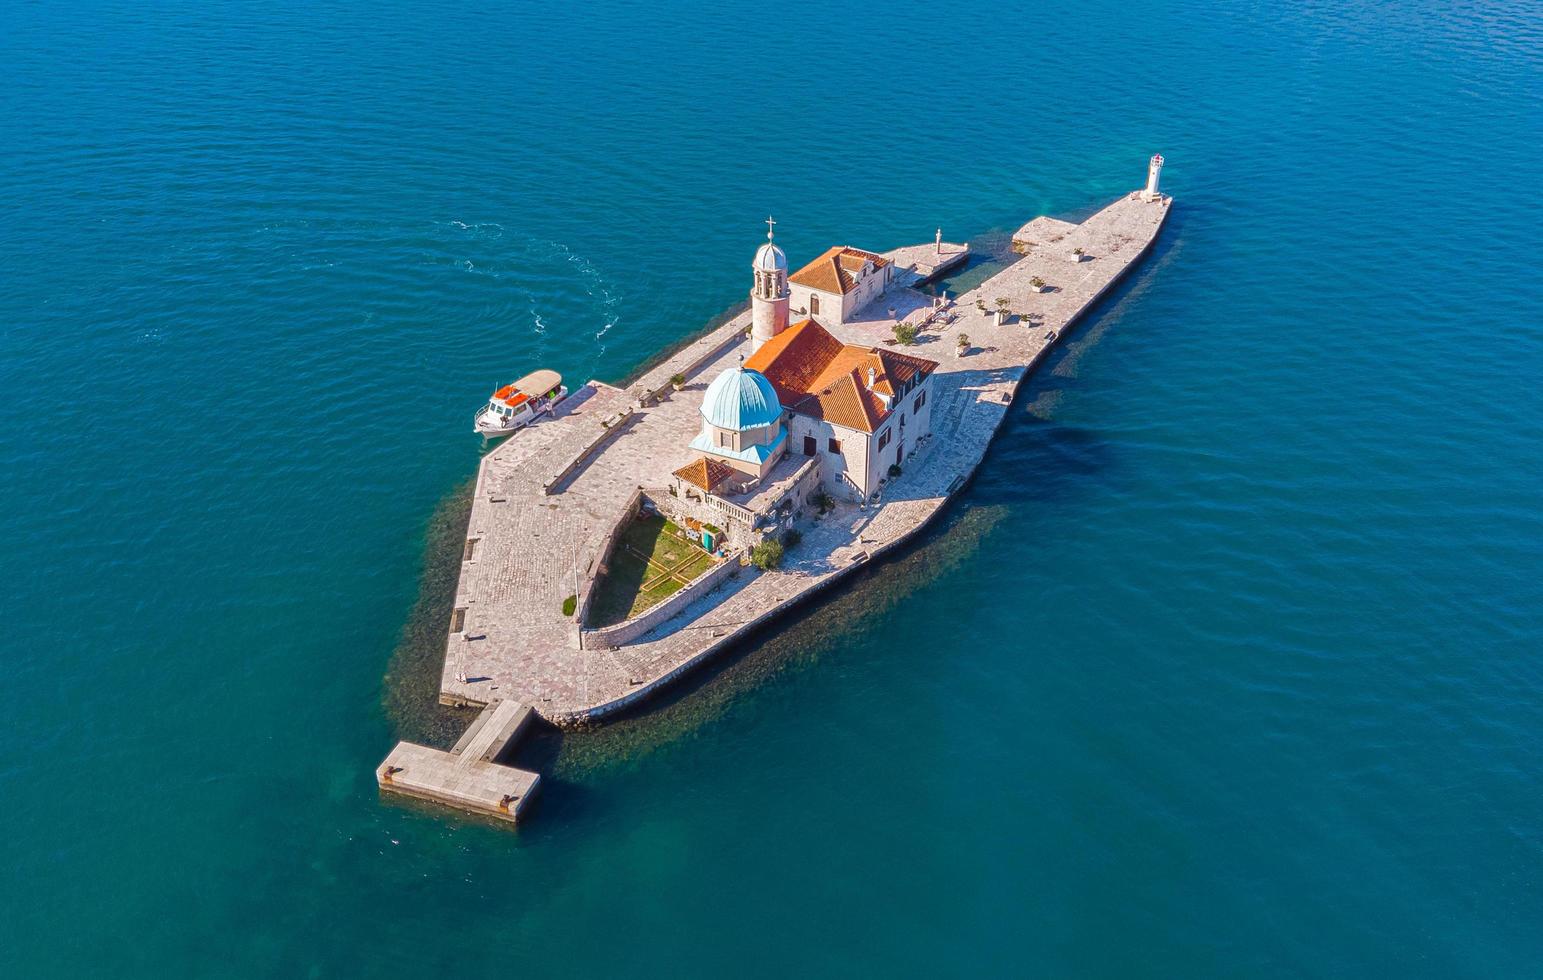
(791, 537)
(894, 470)
(767, 555)
(905, 334)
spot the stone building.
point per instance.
(839, 283)
(858, 410)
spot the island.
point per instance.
(638, 531)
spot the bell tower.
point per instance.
(769, 295)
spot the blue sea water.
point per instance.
(1227, 663)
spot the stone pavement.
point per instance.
(535, 549)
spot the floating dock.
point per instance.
(468, 777)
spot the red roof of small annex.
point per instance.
(835, 271)
(709, 474)
(817, 375)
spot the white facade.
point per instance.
(1154, 171)
(836, 307)
(854, 463)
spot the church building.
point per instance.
(803, 394)
(839, 283)
(859, 410)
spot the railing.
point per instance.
(856, 490)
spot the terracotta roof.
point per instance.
(709, 474)
(817, 375)
(835, 271)
(794, 358)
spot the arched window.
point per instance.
(814, 304)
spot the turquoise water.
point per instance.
(1227, 664)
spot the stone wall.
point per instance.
(614, 636)
(851, 462)
(595, 570)
(735, 521)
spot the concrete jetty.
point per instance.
(467, 777)
(917, 265)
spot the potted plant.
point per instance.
(1037, 284)
(678, 381)
(964, 343)
(1079, 254)
(980, 304)
(1003, 311)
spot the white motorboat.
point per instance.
(514, 406)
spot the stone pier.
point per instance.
(468, 777)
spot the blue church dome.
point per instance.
(739, 400)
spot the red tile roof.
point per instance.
(835, 271)
(817, 375)
(709, 474)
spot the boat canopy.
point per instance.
(538, 383)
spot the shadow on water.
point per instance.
(796, 641)
(1066, 461)
(410, 694)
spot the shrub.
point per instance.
(822, 501)
(894, 470)
(767, 555)
(570, 604)
(791, 538)
(905, 334)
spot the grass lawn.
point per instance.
(650, 563)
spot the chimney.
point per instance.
(871, 375)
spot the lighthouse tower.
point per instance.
(1154, 170)
(769, 296)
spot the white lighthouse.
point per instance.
(769, 295)
(1154, 171)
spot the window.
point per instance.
(809, 445)
(884, 439)
(835, 446)
(814, 304)
(921, 400)
(723, 438)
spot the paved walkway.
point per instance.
(536, 548)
